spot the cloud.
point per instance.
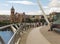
(55, 9)
(22, 2)
(4, 4)
(54, 3)
(4, 12)
(54, 6)
(39, 12)
(34, 13)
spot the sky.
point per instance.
(30, 7)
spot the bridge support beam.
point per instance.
(16, 26)
(13, 29)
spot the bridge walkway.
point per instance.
(34, 37)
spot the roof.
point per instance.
(12, 8)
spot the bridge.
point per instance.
(19, 29)
(33, 34)
(35, 37)
(28, 33)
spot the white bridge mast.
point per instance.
(40, 6)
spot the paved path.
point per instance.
(35, 37)
(52, 36)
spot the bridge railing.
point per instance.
(15, 39)
(5, 26)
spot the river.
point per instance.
(6, 35)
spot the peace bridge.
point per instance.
(30, 33)
(27, 33)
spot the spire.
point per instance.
(12, 8)
(24, 13)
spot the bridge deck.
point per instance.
(52, 36)
(35, 37)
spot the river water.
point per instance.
(6, 35)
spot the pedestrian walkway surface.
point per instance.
(52, 36)
(35, 37)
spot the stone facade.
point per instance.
(20, 17)
(16, 17)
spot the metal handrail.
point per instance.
(14, 39)
(6, 26)
(15, 36)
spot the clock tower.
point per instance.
(12, 16)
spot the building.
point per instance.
(54, 15)
(20, 17)
(16, 17)
(4, 18)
